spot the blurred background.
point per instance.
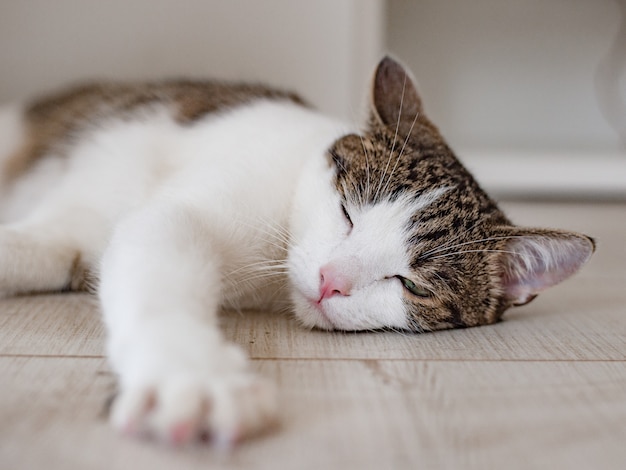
(531, 93)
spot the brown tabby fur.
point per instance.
(459, 243)
(53, 120)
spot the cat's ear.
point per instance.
(534, 260)
(395, 100)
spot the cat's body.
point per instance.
(181, 198)
(242, 180)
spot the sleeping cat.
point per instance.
(181, 198)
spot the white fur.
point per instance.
(226, 184)
(370, 254)
(182, 220)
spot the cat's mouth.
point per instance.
(318, 306)
(312, 313)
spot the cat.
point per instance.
(176, 199)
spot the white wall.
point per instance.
(508, 81)
(512, 75)
(323, 48)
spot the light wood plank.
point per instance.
(366, 414)
(58, 324)
(565, 324)
(543, 389)
(562, 327)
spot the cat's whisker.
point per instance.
(346, 191)
(415, 326)
(269, 277)
(367, 190)
(356, 193)
(461, 234)
(486, 250)
(481, 240)
(271, 228)
(267, 272)
(283, 306)
(260, 265)
(402, 332)
(277, 277)
(393, 145)
(440, 278)
(263, 266)
(252, 272)
(269, 262)
(277, 238)
(351, 197)
(277, 233)
(406, 140)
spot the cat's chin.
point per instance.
(315, 315)
(311, 314)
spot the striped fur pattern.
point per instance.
(463, 250)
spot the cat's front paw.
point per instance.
(223, 410)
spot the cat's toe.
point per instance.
(224, 410)
(242, 408)
(180, 411)
(130, 409)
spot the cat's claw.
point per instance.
(226, 410)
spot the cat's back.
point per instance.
(134, 136)
(54, 122)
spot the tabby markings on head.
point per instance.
(473, 262)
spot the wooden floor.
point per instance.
(546, 388)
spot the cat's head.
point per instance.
(393, 232)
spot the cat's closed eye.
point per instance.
(414, 289)
(346, 214)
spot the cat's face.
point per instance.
(386, 246)
(392, 232)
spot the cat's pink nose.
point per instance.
(333, 282)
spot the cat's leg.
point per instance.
(32, 262)
(179, 379)
(52, 253)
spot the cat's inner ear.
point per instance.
(395, 100)
(534, 260)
